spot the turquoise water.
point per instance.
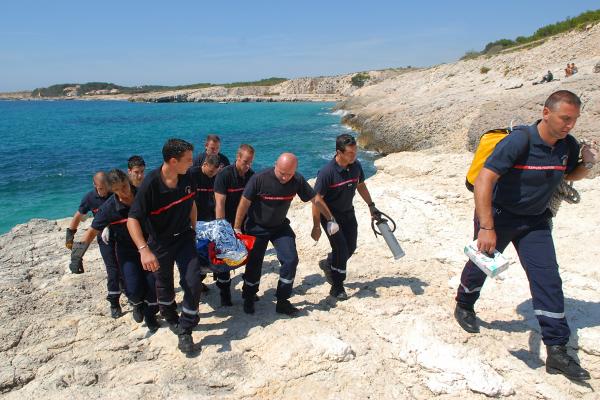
(49, 150)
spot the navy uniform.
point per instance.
(223, 160)
(139, 284)
(337, 185)
(91, 202)
(267, 222)
(530, 170)
(228, 182)
(205, 196)
(164, 214)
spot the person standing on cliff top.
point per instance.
(212, 145)
(92, 202)
(336, 185)
(164, 206)
(512, 193)
(229, 185)
(136, 167)
(266, 200)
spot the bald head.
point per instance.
(285, 167)
(101, 184)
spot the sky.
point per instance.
(130, 42)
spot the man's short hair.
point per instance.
(100, 176)
(245, 147)
(115, 177)
(212, 138)
(212, 160)
(135, 161)
(174, 148)
(344, 140)
(562, 96)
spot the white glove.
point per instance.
(589, 152)
(105, 235)
(332, 227)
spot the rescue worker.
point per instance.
(229, 185)
(266, 200)
(512, 193)
(139, 284)
(204, 175)
(164, 206)
(212, 145)
(136, 167)
(92, 202)
(336, 185)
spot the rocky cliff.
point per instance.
(394, 338)
(450, 105)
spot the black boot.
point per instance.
(115, 310)
(186, 343)
(226, 297)
(285, 307)
(326, 268)
(152, 323)
(559, 362)
(249, 305)
(466, 319)
(338, 292)
(138, 313)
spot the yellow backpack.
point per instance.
(487, 144)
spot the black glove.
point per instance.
(375, 213)
(79, 249)
(70, 238)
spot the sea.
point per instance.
(49, 150)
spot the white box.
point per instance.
(492, 266)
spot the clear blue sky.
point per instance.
(182, 42)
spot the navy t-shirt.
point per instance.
(338, 185)
(163, 212)
(92, 202)
(114, 214)
(530, 170)
(271, 199)
(205, 196)
(231, 184)
(223, 160)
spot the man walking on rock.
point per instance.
(164, 206)
(512, 193)
(266, 200)
(336, 184)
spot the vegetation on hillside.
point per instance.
(80, 89)
(579, 22)
(360, 79)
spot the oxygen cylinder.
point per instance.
(388, 235)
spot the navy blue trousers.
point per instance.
(284, 241)
(182, 251)
(343, 244)
(532, 238)
(113, 274)
(140, 285)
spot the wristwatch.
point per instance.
(588, 165)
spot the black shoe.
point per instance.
(186, 343)
(151, 323)
(324, 265)
(226, 298)
(559, 362)
(172, 319)
(285, 307)
(249, 306)
(338, 293)
(115, 311)
(138, 313)
(466, 319)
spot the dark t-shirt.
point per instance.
(271, 199)
(92, 202)
(164, 213)
(231, 184)
(338, 185)
(529, 169)
(205, 196)
(223, 160)
(114, 214)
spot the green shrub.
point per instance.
(484, 70)
(360, 79)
